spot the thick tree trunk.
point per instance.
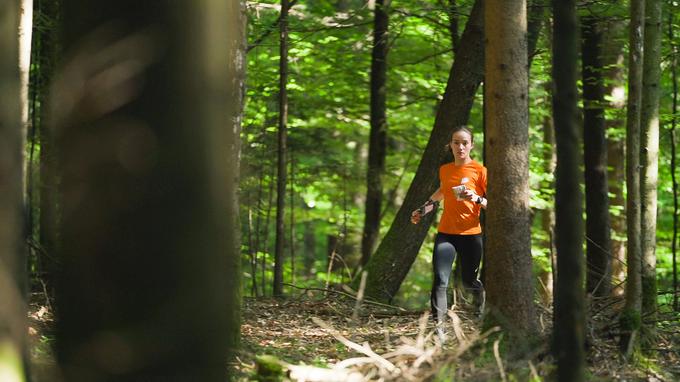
(649, 160)
(281, 152)
(150, 286)
(630, 318)
(398, 249)
(569, 335)
(508, 233)
(12, 257)
(377, 149)
(598, 265)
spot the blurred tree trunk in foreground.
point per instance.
(12, 257)
(150, 278)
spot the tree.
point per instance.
(48, 184)
(391, 262)
(649, 158)
(613, 62)
(508, 235)
(674, 122)
(377, 148)
(12, 258)
(149, 181)
(399, 247)
(281, 152)
(25, 39)
(569, 332)
(598, 250)
(236, 77)
(630, 318)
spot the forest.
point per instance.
(224, 190)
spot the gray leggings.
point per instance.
(445, 248)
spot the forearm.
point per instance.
(437, 195)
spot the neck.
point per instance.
(460, 162)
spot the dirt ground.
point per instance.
(317, 334)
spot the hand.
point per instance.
(415, 216)
(469, 195)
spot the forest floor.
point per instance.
(321, 337)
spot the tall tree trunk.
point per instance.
(12, 257)
(613, 62)
(548, 214)
(598, 265)
(569, 336)
(674, 122)
(292, 218)
(453, 25)
(281, 153)
(508, 233)
(25, 39)
(236, 84)
(48, 184)
(151, 284)
(390, 264)
(649, 160)
(377, 149)
(630, 319)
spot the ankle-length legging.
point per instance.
(445, 248)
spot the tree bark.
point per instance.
(508, 233)
(48, 184)
(12, 257)
(613, 61)
(25, 40)
(569, 333)
(598, 265)
(281, 152)
(389, 265)
(151, 284)
(377, 149)
(630, 318)
(674, 122)
(548, 214)
(649, 160)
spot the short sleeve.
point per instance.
(482, 180)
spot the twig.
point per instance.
(360, 296)
(368, 301)
(365, 349)
(499, 361)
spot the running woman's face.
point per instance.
(461, 144)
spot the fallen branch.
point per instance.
(364, 349)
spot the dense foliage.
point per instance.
(329, 61)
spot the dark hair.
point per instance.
(456, 129)
(464, 128)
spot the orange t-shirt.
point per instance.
(461, 217)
